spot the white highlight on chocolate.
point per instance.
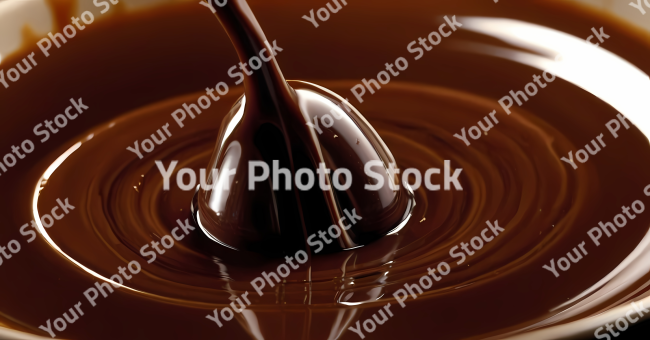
(621, 84)
(621, 323)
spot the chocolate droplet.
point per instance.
(282, 131)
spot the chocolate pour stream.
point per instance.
(273, 129)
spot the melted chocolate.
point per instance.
(269, 125)
(512, 175)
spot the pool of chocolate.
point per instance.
(134, 70)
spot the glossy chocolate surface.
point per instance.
(512, 175)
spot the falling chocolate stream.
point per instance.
(270, 124)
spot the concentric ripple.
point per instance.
(512, 175)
